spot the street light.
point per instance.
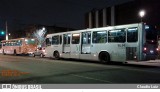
(2, 33)
(141, 14)
(43, 28)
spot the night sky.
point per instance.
(66, 13)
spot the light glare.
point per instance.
(142, 13)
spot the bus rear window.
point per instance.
(132, 34)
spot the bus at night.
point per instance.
(120, 43)
(19, 46)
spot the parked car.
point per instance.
(39, 52)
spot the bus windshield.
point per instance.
(30, 41)
(151, 35)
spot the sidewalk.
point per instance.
(148, 63)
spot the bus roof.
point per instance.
(94, 29)
(16, 39)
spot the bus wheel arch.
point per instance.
(56, 55)
(104, 57)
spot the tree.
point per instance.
(40, 35)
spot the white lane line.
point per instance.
(90, 78)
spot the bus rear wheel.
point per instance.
(56, 55)
(15, 53)
(104, 57)
(4, 53)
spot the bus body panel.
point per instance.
(132, 38)
(75, 51)
(115, 55)
(49, 52)
(19, 46)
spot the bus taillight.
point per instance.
(157, 49)
(145, 49)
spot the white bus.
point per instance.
(114, 43)
(19, 46)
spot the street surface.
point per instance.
(27, 69)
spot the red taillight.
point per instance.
(144, 48)
(157, 49)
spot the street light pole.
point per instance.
(6, 30)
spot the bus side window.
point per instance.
(55, 40)
(100, 37)
(48, 42)
(86, 37)
(132, 34)
(60, 38)
(19, 42)
(75, 38)
(117, 35)
(66, 39)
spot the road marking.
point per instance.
(90, 78)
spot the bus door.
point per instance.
(86, 45)
(66, 46)
(75, 47)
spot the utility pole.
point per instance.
(6, 31)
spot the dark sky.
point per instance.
(66, 13)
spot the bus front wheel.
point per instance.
(104, 57)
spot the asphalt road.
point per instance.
(45, 70)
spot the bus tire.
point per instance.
(56, 55)
(104, 57)
(15, 53)
(41, 55)
(4, 52)
(33, 55)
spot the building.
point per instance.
(125, 13)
